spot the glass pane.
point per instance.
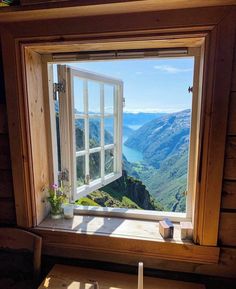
(109, 130)
(109, 99)
(94, 97)
(109, 161)
(80, 170)
(94, 166)
(78, 86)
(94, 132)
(79, 134)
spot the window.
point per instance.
(28, 103)
(90, 102)
(97, 139)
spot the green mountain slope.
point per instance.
(162, 137)
(126, 192)
(164, 143)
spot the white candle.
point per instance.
(140, 275)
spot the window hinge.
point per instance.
(190, 89)
(58, 88)
(123, 102)
(87, 179)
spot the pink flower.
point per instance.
(55, 186)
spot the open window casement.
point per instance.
(90, 121)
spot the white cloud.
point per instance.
(171, 69)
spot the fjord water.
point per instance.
(131, 154)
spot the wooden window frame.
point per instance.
(26, 42)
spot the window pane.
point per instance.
(94, 166)
(79, 134)
(78, 86)
(109, 161)
(93, 97)
(109, 99)
(80, 169)
(109, 130)
(94, 132)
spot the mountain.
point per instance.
(162, 137)
(156, 183)
(126, 192)
(164, 144)
(138, 119)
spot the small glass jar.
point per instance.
(68, 211)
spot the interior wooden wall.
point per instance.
(227, 236)
(7, 207)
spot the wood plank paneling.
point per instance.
(6, 184)
(7, 211)
(83, 8)
(17, 138)
(225, 267)
(227, 232)
(230, 158)
(229, 195)
(230, 150)
(3, 119)
(5, 161)
(108, 24)
(233, 84)
(230, 171)
(232, 114)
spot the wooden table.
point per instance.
(68, 277)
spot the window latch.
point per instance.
(59, 87)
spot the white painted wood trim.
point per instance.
(102, 128)
(103, 180)
(194, 135)
(71, 120)
(64, 112)
(130, 213)
(83, 74)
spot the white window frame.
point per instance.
(194, 139)
(67, 118)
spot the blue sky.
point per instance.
(150, 85)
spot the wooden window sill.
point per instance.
(113, 227)
(114, 236)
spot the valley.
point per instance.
(155, 162)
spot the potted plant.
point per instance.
(57, 196)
